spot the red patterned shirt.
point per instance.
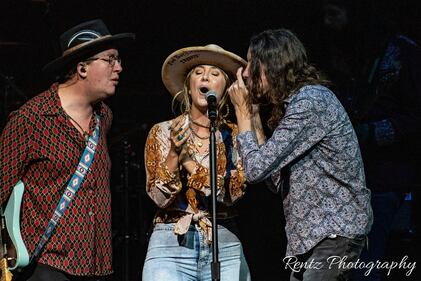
(41, 147)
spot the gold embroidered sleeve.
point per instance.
(161, 184)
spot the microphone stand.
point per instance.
(215, 265)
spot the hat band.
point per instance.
(68, 51)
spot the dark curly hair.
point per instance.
(282, 57)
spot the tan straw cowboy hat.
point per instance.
(179, 63)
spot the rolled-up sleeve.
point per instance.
(161, 184)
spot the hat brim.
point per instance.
(62, 63)
(179, 63)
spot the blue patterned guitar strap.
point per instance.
(72, 187)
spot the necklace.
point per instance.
(85, 134)
(198, 142)
(199, 124)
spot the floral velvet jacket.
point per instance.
(184, 198)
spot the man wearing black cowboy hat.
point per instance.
(42, 145)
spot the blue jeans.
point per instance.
(329, 260)
(179, 258)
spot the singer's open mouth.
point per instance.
(204, 90)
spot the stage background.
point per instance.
(28, 40)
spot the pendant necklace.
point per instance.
(198, 138)
(198, 124)
(85, 134)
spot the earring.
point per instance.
(227, 112)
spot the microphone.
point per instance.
(212, 105)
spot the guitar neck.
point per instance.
(3, 247)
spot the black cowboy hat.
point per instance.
(84, 40)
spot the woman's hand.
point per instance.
(178, 134)
(179, 154)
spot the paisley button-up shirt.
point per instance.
(313, 157)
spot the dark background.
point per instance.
(28, 40)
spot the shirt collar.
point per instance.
(52, 103)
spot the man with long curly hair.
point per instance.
(312, 158)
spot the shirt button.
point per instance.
(90, 213)
(90, 191)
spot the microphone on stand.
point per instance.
(212, 105)
(212, 115)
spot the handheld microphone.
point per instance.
(212, 105)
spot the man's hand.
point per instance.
(239, 96)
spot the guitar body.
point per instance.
(17, 254)
(6, 275)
